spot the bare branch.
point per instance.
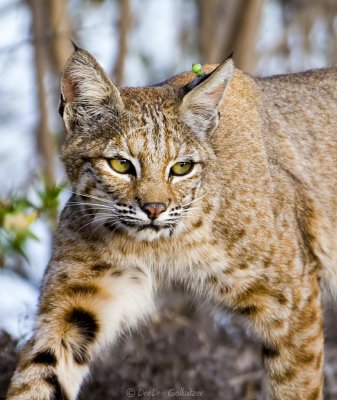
(125, 24)
(44, 140)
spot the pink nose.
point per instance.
(154, 209)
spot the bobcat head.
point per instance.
(139, 159)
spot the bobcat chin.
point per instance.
(226, 184)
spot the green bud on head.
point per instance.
(197, 69)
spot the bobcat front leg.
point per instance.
(77, 318)
(293, 347)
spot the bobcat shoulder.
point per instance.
(226, 184)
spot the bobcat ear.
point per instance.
(199, 108)
(85, 82)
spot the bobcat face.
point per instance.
(138, 158)
(146, 177)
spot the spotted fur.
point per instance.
(252, 227)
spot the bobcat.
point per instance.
(224, 183)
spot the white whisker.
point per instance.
(182, 223)
(88, 215)
(93, 221)
(92, 197)
(88, 204)
(198, 198)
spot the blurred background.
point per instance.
(137, 42)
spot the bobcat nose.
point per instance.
(154, 209)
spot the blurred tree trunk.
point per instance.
(245, 41)
(44, 140)
(51, 32)
(62, 32)
(229, 26)
(59, 50)
(218, 25)
(125, 23)
(305, 17)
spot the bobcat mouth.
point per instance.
(156, 228)
(139, 226)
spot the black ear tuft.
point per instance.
(231, 55)
(75, 45)
(187, 88)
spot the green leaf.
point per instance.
(17, 213)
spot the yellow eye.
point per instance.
(122, 166)
(182, 168)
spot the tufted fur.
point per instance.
(253, 226)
